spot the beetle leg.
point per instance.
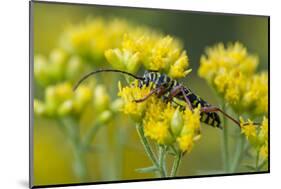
(216, 109)
(159, 91)
(175, 91)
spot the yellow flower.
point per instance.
(101, 98)
(263, 134)
(157, 120)
(92, 38)
(178, 69)
(153, 50)
(256, 94)
(257, 135)
(81, 97)
(163, 122)
(131, 93)
(264, 127)
(39, 108)
(156, 130)
(61, 100)
(50, 70)
(191, 122)
(185, 142)
(248, 129)
(231, 71)
(123, 59)
(264, 151)
(154, 113)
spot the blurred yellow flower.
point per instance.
(264, 128)
(256, 94)
(61, 100)
(231, 71)
(264, 151)
(92, 38)
(101, 98)
(58, 67)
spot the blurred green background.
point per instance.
(52, 153)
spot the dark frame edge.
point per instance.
(30, 183)
(268, 166)
(148, 180)
(147, 8)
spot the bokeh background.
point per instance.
(52, 153)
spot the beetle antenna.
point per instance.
(105, 70)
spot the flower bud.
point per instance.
(186, 130)
(177, 123)
(63, 91)
(123, 59)
(105, 116)
(57, 64)
(39, 108)
(65, 108)
(41, 70)
(74, 68)
(117, 105)
(55, 95)
(58, 56)
(114, 57)
(83, 95)
(132, 61)
(50, 95)
(101, 99)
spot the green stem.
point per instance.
(71, 128)
(238, 153)
(80, 167)
(121, 136)
(257, 160)
(225, 142)
(107, 158)
(176, 164)
(91, 134)
(162, 164)
(147, 147)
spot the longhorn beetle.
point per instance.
(168, 89)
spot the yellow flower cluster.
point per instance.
(231, 71)
(128, 95)
(256, 95)
(126, 46)
(162, 122)
(257, 136)
(151, 49)
(92, 38)
(61, 100)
